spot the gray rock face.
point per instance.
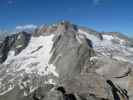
(67, 54)
(16, 42)
(66, 62)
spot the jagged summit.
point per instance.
(59, 27)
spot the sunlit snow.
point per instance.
(36, 62)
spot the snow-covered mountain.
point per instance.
(88, 64)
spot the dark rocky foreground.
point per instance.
(50, 92)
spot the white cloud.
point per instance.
(25, 27)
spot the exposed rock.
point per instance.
(16, 42)
(87, 84)
(117, 92)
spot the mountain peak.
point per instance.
(65, 54)
(59, 27)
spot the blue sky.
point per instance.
(101, 15)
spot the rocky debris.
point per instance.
(60, 93)
(130, 85)
(50, 92)
(41, 92)
(118, 93)
(86, 84)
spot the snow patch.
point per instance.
(108, 37)
(51, 81)
(19, 46)
(93, 58)
(83, 34)
(89, 36)
(78, 38)
(8, 90)
(36, 62)
(25, 93)
(120, 58)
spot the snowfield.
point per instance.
(35, 57)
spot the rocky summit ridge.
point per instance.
(65, 61)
